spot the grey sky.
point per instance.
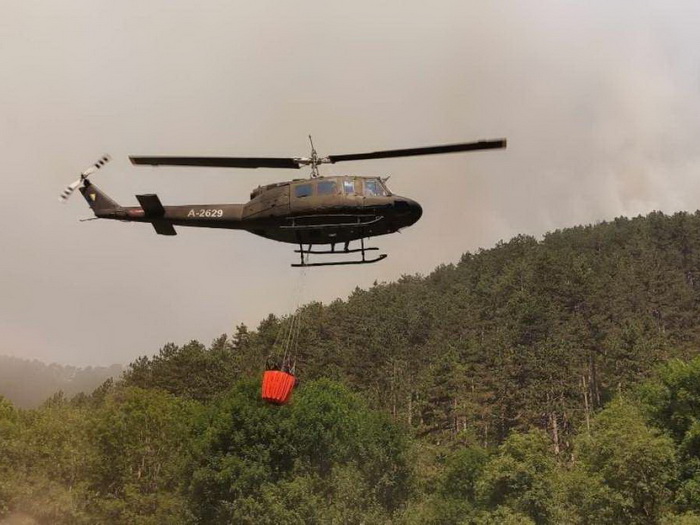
(600, 102)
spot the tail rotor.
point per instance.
(83, 176)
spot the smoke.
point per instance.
(598, 100)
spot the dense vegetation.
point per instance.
(553, 381)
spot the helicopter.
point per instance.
(308, 212)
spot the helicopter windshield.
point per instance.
(374, 188)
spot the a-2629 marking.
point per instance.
(205, 213)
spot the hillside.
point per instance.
(540, 381)
(526, 334)
(27, 383)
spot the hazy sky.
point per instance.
(599, 100)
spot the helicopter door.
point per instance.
(301, 198)
(278, 201)
(352, 190)
(329, 195)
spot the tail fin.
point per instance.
(99, 202)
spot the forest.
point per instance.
(539, 381)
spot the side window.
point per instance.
(326, 187)
(302, 190)
(349, 187)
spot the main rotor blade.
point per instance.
(219, 162)
(430, 150)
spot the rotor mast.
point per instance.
(314, 160)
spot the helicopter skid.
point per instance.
(362, 249)
(381, 257)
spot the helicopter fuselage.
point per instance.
(321, 210)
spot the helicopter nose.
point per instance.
(416, 210)
(409, 209)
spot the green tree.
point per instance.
(142, 439)
(462, 471)
(672, 401)
(324, 447)
(191, 371)
(687, 518)
(629, 464)
(521, 477)
(8, 444)
(452, 497)
(51, 452)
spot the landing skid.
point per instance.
(308, 251)
(342, 263)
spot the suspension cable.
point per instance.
(287, 337)
(295, 324)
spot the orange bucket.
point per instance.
(277, 386)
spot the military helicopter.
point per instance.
(308, 212)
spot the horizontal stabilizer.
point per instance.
(164, 228)
(151, 205)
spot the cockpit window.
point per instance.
(373, 188)
(326, 187)
(349, 187)
(303, 190)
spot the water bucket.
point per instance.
(277, 386)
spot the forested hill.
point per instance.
(526, 334)
(528, 384)
(27, 383)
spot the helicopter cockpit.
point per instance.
(345, 185)
(365, 186)
(375, 188)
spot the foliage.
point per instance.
(326, 447)
(672, 400)
(521, 476)
(630, 466)
(192, 370)
(687, 518)
(462, 470)
(141, 441)
(528, 333)
(537, 382)
(49, 463)
(8, 436)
